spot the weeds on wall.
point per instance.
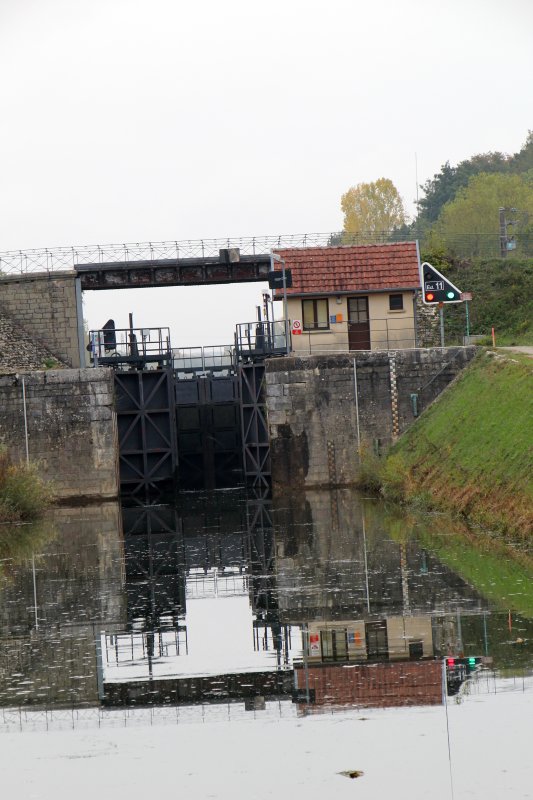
(24, 496)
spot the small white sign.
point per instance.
(296, 326)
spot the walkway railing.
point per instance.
(191, 361)
(383, 334)
(130, 346)
(259, 340)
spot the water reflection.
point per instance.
(328, 600)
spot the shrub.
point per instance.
(370, 466)
(394, 475)
(23, 495)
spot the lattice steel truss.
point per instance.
(66, 258)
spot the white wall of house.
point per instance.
(401, 631)
(389, 329)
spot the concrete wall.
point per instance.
(387, 328)
(72, 430)
(46, 306)
(313, 418)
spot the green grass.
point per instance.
(471, 452)
(503, 577)
(498, 572)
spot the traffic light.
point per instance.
(436, 288)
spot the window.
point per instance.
(396, 302)
(315, 315)
(358, 309)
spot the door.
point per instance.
(334, 645)
(377, 643)
(358, 323)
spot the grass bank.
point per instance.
(471, 452)
(501, 574)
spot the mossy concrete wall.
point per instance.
(315, 423)
(71, 428)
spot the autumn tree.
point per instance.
(469, 224)
(372, 208)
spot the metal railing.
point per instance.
(134, 647)
(384, 334)
(203, 360)
(134, 346)
(256, 340)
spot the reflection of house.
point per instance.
(353, 298)
(393, 638)
(369, 685)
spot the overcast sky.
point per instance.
(138, 120)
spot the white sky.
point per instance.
(137, 120)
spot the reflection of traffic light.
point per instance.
(436, 288)
(469, 664)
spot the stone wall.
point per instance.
(315, 423)
(72, 429)
(45, 306)
(48, 653)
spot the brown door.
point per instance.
(358, 324)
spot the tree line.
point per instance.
(465, 211)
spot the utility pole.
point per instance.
(507, 242)
(503, 234)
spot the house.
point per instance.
(352, 297)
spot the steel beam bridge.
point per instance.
(173, 272)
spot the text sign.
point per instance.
(438, 290)
(466, 295)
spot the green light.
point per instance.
(450, 295)
(472, 661)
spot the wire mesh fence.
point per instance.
(486, 245)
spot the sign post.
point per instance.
(466, 296)
(274, 257)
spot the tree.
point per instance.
(444, 185)
(469, 224)
(372, 208)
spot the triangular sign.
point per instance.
(436, 288)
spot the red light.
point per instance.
(450, 661)
(430, 297)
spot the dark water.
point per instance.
(321, 601)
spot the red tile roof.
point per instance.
(362, 268)
(372, 685)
